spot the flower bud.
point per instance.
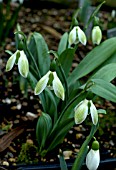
(23, 64)
(96, 35)
(81, 111)
(94, 113)
(58, 87)
(93, 159)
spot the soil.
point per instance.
(16, 105)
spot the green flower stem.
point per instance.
(84, 149)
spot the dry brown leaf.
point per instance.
(51, 31)
(6, 140)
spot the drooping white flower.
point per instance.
(58, 87)
(19, 58)
(96, 35)
(81, 111)
(77, 35)
(42, 83)
(94, 113)
(50, 79)
(93, 156)
(23, 64)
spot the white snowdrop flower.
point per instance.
(96, 35)
(51, 80)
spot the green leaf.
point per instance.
(57, 136)
(102, 111)
(63, 43)
(51, 105)
(66, 59)
(107, 73)
(104, 89)
(43, 128)
(39, 50)
(94, 59)
(63, 164)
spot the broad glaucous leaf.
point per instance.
(43, 129)
(63, 43)
(104, 89)
(107, 73)
(39, 50)
(94, 59)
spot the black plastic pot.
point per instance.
(109, 164)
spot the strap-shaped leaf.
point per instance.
(43, 128)
(60, 132)
(39, 50)
(94, 59)
(63, 43)
(66, 59)
(107, 73)
(51, 105)
(104, 89)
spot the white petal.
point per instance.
(23, 64)
(94, 113)
(58, 87)
(96, 35)
(93, 159)
(72, 36)
(42, 83)
(11, 62)
(81, 111)
(81, 36)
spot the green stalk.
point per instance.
(84, 149)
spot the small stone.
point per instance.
(79, 135)
(5, 163)
(67, 154)
(29, 141)
(12, 159)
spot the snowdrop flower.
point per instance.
(19, 58)
(93, 157)
(96, 35)
(77, 35)
(51, 80)
(81, 112)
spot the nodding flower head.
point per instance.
(93, 156)
(82, 110)
(19, 58)
(51, 80)
(96, 35)
(77, 35)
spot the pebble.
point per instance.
(5, 163)
(67, 154)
